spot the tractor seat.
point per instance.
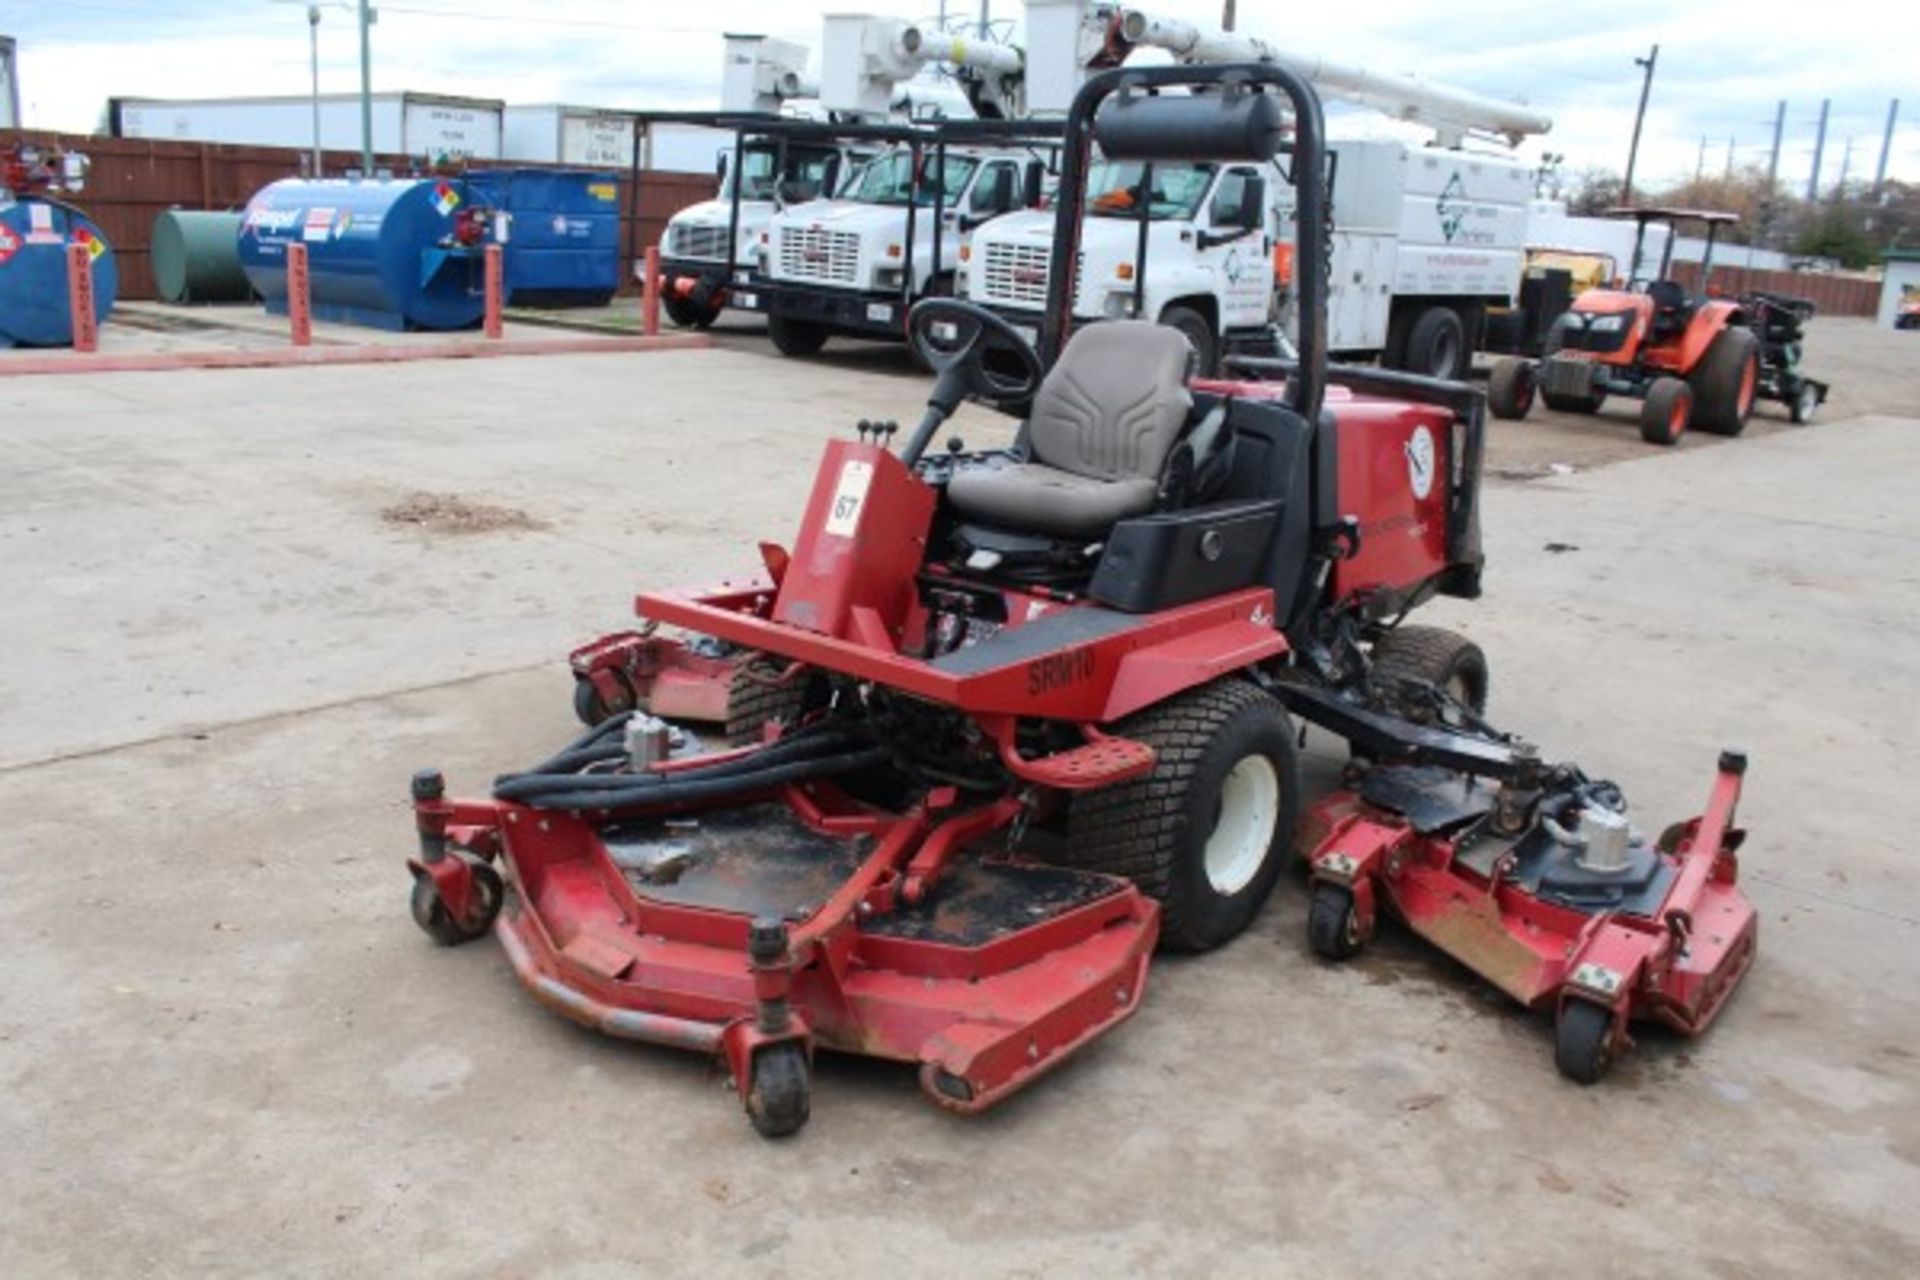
(1672, 307)
(1103, 424)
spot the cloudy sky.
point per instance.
(1724, 64)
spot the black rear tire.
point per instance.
(1510, 389)
(1158, 830)
(1439, 657)
(1199, 335)
(688, 314)
(1333, 927)
(753, 700)
(796, 337)
(1583, 1041)
(438, 923)
(1725, 382)
(1666, 412)
(1436, 345)
(1588, 404)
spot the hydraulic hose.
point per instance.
(563, 782)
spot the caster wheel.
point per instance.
(1583, 1041)
(431, 914)
(592, 708)
(778, 1097)
(1333, 926)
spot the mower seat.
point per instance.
(1104, 422)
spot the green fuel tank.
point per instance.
(196, 257)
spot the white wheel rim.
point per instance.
(1243, 833)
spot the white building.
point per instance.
(412, 124)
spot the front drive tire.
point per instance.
(1510, 389)
(1666, 412)
(796, 337)
(1207, 832)
(688, 314)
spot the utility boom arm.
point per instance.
(1452, 113)
(866, 57)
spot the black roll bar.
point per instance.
(1305, 392)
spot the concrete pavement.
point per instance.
(225, 1050)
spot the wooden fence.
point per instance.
(133, 180)
(1834, 295)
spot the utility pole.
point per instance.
(1770, 203)
(1227, 15)
(1846, 165)
(1700, 161)
(1773, 161)
(986, 17)
(1729, 173)
(1886, 149)
(313, 43)
(366, 88)
(1819, 151)
(1639, 117)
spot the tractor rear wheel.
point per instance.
(1725, 382)
(796, 337)
(1207, 832)
(1510, 388)
(1666, 412)
(1444, 659)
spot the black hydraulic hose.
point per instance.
(687, 787)
(805, 746)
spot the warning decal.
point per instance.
(319, 225)
(9, 244)
(445, 198)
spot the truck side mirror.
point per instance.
(1253, 207)
(1031, 184)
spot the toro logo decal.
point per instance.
(1419, 449)
(1058, 671)
(1451, 205)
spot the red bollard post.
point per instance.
(496, 290)
(650, 294)
(86, 327)
(299, 295)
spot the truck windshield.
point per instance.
(889, 180)
(1113, 189)
(803, 178)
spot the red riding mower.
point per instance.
(1691, 361)
(1011, 718)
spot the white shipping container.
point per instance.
(549, 133)
(412, 124)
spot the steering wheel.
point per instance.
(973, 354)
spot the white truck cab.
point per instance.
(1425, 240)
(854, 265)
(1211, 231)
(696, 269)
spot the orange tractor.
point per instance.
(1691, 360)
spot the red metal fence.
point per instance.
(1834, 295)
(133, 180)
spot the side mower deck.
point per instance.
(807, 919)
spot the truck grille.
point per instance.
(809, 253)
(698, 242)
(1016, 273)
